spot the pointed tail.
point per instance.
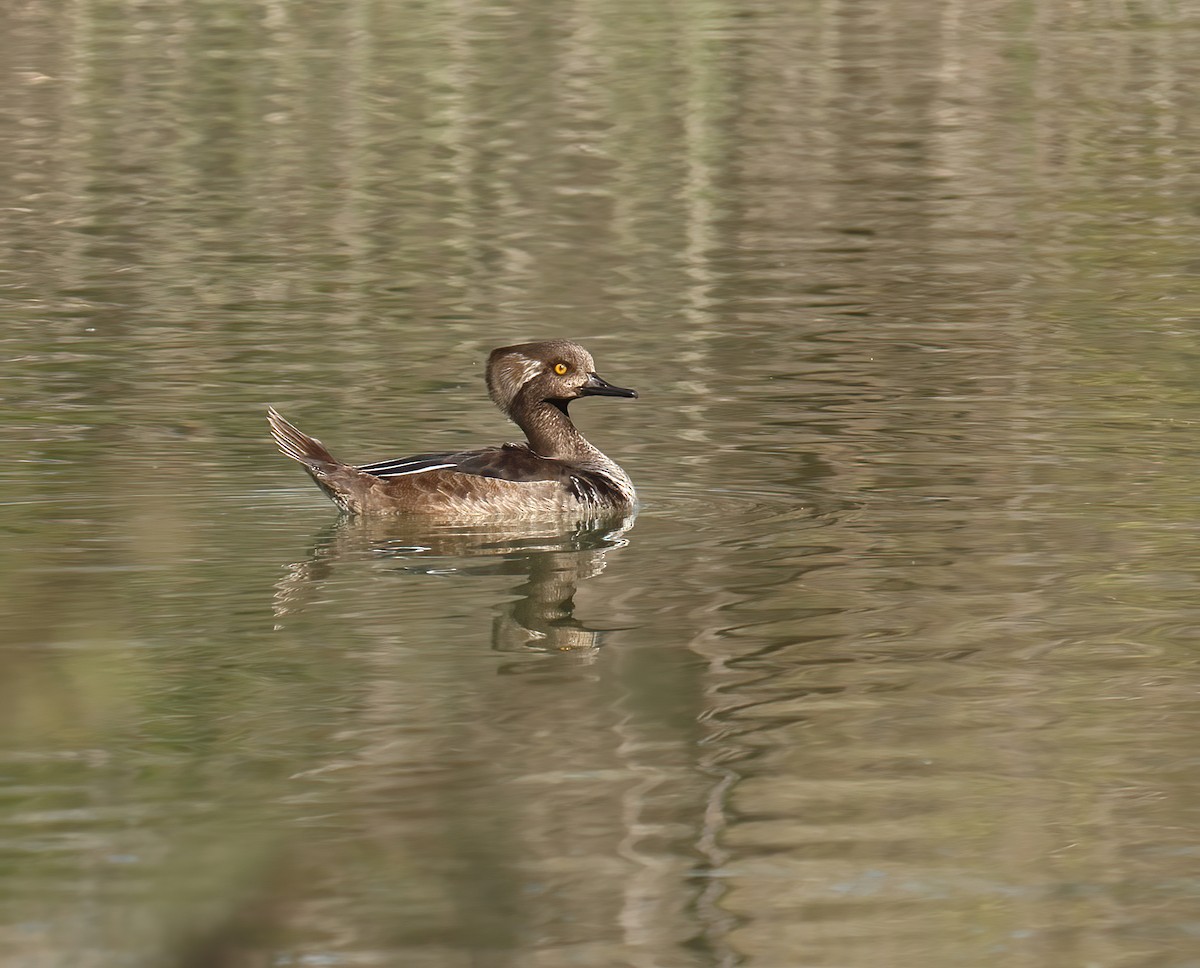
(297, 445)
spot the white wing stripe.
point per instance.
(385, 465)
(404, 463)
(415, 470)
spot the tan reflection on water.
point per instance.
(898, 665)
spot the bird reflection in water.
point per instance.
(553, 559)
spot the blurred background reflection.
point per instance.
(896, 665)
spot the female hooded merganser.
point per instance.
(558, 473)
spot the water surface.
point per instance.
(896, 665)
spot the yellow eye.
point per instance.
(561, 368)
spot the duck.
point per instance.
(556, 473)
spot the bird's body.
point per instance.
(558, 473)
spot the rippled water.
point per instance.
(897, 664)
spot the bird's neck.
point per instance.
(552, 434)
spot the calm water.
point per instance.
(898, 665)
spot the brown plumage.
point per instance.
(558, 473)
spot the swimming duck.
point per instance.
(557, 473)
